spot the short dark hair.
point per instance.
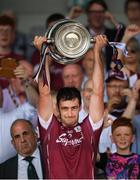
(127, 2)
(22, 120)
(6, 20)
(100, 2)
(53, 18)
(68, 93)
(122, 121)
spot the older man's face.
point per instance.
(72, 76)
(24, 139)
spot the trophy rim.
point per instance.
(75, 53)
(55, 50)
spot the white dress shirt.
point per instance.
(23, 165)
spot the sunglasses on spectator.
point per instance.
(133, 51)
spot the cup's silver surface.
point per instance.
(69, 41)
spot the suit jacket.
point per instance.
(9, 168)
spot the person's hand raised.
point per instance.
(75, 12)
(38, 41)
(131, 31)
(100, 42)
(21, 72)
(112, 103)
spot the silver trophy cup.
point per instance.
(68, 41)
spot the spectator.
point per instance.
(27, 164)
(26, 111)
(123, 164)
(132, 11)
(97, 13)
(14, 95)
(115, 83)
(7, 36)
(20, 45)
(131, 61)
(115, 106)
(72, 76)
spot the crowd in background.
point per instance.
(19, 93)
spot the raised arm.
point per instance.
(132, 95)
(45, 103)
(96, 107)
(30, 90)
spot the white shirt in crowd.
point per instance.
(8, 104)
(105, 140)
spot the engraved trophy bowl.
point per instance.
(68, 41)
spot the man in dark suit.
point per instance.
(27, 164)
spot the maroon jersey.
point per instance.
(69, 152)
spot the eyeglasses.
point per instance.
(96, 12)
(6, 31)
(133, 8)
(116, 86)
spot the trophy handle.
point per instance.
(49, 41)
(92, 40)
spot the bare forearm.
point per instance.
(96, 108)
(98, 90)
(130, 109)
(98, 74)
(45, 104)
(31, 93)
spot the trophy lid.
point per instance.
(72, 40)
(69, 39)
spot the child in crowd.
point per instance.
(123, 164)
